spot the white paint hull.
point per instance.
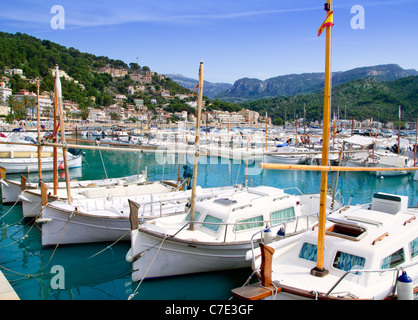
(178, 257)
(284, 159)
(102, 219)
(10, 190)
(81, 229)
(25, 165)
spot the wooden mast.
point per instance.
(399, 131)
(196, 156)
(266, 131)
(55, 141)
(416, 142)
(62, 127)
(38, 118)
(319, 270)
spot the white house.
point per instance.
(4, 93)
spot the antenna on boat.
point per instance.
(196, 155)
(319, 270)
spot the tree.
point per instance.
(114, 116)
(11, 102)
(134, 66)
(28, 103)
(278, 121)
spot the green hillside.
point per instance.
(37, 57)
(363, 99)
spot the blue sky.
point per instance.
(235, 39)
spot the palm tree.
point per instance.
(11, 102)
(29, 103)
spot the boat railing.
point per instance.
(395, 270)
(297, 189)
(284, 223)
(270, 224)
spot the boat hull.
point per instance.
(284, 159)
(25, 165)
(68, 227)
(176, 257)
(10, 191)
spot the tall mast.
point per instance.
(319, 270)
(399, 131)
(38, 118)
(196, 156)
(55, 139)
(64, 144)
(266, 131)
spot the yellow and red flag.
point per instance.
(329, 22)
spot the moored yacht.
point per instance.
(219, 234)
(371, 252)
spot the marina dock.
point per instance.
(6, 290)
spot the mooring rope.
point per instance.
(14, 204)
(59, 241)
(155, 256)
(110, 246)
(104, 167)
(247, 281)
(21, 238)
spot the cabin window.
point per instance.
(209, 223)
(394, 259)
(250, 223)
(308, 252)
(284, 214)
(196, 215)
(414, 248)
(346, 262)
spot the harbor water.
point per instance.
(100, 271)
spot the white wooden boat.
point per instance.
(354, 254)
(287, 155)
(107, 219)
(221, 234)
(387, 159)
(367, 248)
(11, 189)
(27, 161)
(31, 199)
(18, 158)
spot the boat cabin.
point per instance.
(240, 215)
(376, 239)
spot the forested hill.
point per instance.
(363, 99)
(37, 57)
(247, 89)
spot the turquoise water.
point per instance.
(99, 271)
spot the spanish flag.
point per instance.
(329, 22)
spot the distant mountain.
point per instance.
(293, 84)
(210, 89)
(362, 99)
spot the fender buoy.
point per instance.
(405, 287)
(61, 166)
(305, 138)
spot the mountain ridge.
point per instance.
(362, 99)
(250, 89)
(211, 89)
